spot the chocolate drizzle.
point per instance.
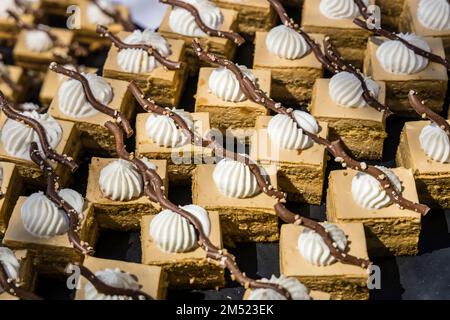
(392, 36)
(336, 148)
(331, 59)
(52, 194)
(155, 191)
(169, 64)
(108, 290)
(9, 285)
(39, 129)
(117, 115)
(425, 112)
(233, 36)
(263, 183)
(126, 22)
(362, 9)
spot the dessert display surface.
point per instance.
(162, 170)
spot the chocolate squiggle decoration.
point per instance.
(52, 194)
(126, 23)
(9, 285)
(331, 59)
(119, 44)
(108, 290)
(336, 148)
(362, 9)
(264, 185)
(233, 36)
(392, 36)
(155, 190)
(425, 112)
(50, 153)
(117, 115)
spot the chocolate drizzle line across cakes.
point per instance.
(117, 115)
(392, 36)
(425, 112)
(233, 36)
(108, 290)
(12, 114)
(10, 286)
(336, 148)
(169, 64)
(263, 183)
(155, 191)
(52, 193)
(331, 59)
(115, 14)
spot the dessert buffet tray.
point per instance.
(416, 273)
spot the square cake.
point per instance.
(251, 219)
(292, 79)
(341, 281)
(389, 230)
(163, 85)
(220, 46)
(181, 160)
(239, 117)
(430, 80)
(91, 122)
(345, 35)
(68, 143)
(189, 269)
(300, 172)
(432, 177)
(351, 124)
(120, 208)
(52, 251)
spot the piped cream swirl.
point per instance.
(286, 43)
(434, 14)
(114, 278)
(435, 143)
(224, 84)
(340, 9)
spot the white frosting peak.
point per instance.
(435, 143)
(183, 22)
(224, 84)
(164, 131)
(10, 263)
(96, 16)
(394, 57)
(340, 9)
(345, 90)
(368, 193)
(114, 278)
(173, 233)
(286, 43)
(17, 137)
(297, 290)
(314, 249)
(234, 179)
(73, 198)
(120, 181)
(72, 100)
(285, 134)
(434, 14)
(42, 218)
(38, 41)
(137, 60)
